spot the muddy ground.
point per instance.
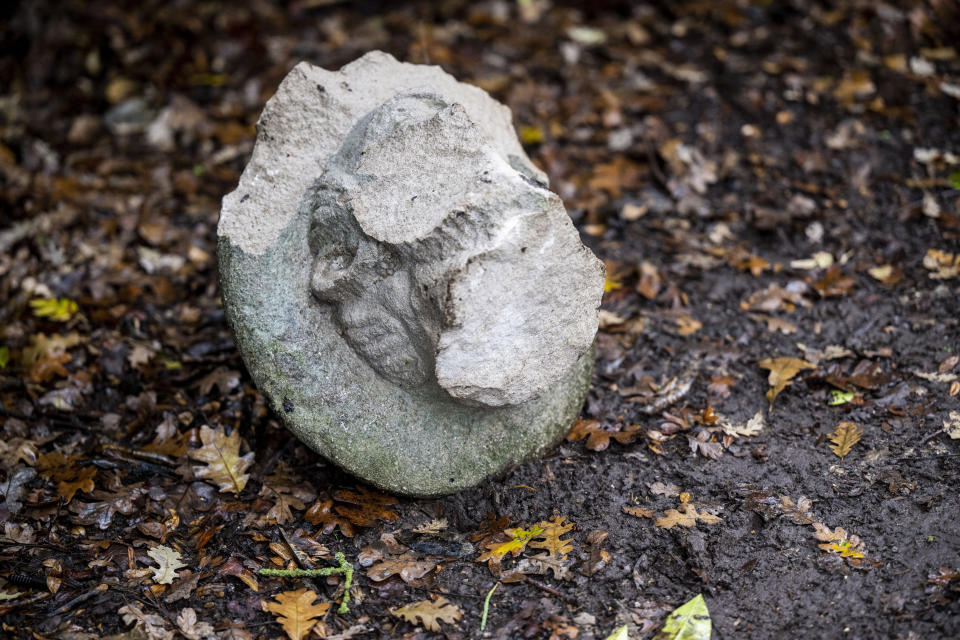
(764, 180)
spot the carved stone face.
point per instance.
(444, 270)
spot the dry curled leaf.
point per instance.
(429, 613)
(844, 437)
(599, 438)
(639, 512)
(296, 611)
(782, 371)
(751, 427)
(225, 466)
(169, 561)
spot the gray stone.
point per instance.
(401, 282)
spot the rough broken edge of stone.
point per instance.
(309, 108)
(264, 265)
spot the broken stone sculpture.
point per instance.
(400, 281)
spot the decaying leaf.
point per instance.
(193, 628)
(689, 621)
(225, 466)
(45, 356)
(82, 480)
(952, 425)
(941, 264)
(844, 437)
(782, 371)
(840, 542)
(296, 611)
(639, 512)
(287, 492)
(429, 613)
(432, 528)
(751, 427)
(406, 566)
(800, 512)
(169, 561)
(687, 516)
(598, 438)
(149, 625)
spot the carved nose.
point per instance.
(330, 272)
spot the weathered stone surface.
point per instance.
(402, 285)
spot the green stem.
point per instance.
(344, 568)
(486, 607)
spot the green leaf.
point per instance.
(840, 397)
(689, 621)
(4, 356)
(955, 179)
(619, 634)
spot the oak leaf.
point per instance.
(599, 438)
(406, 566)
(543, 563)
(751, 427)
(45, 356)
(432, 527)
(799, 512)
(224, 464)
(369, 506)
(193, 628)
(639, 512)
(519, 538)
(952, 425)
(687, 516)
(150, 625)
(288, 492)
(169, 561)
(550, 538)
(322, 512)
(840, 542)
(80, 481)
(844, 437)
(782, 371)
(296, 612)
(430, 613)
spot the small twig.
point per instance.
(80, 598)
(547, 588)
(345, 569)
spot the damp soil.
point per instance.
(714, 155)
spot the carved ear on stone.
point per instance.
(520, 315)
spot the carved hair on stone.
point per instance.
(419, 229)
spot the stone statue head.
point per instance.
(441, 260)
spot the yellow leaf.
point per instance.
(689, 621)
(169, 561)
(225, 466)
(782, 371)
(549, 538)
(844, 437)
(430, 612)
(56, 309)
(531, 135)
(517, 543)
(296, 612)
